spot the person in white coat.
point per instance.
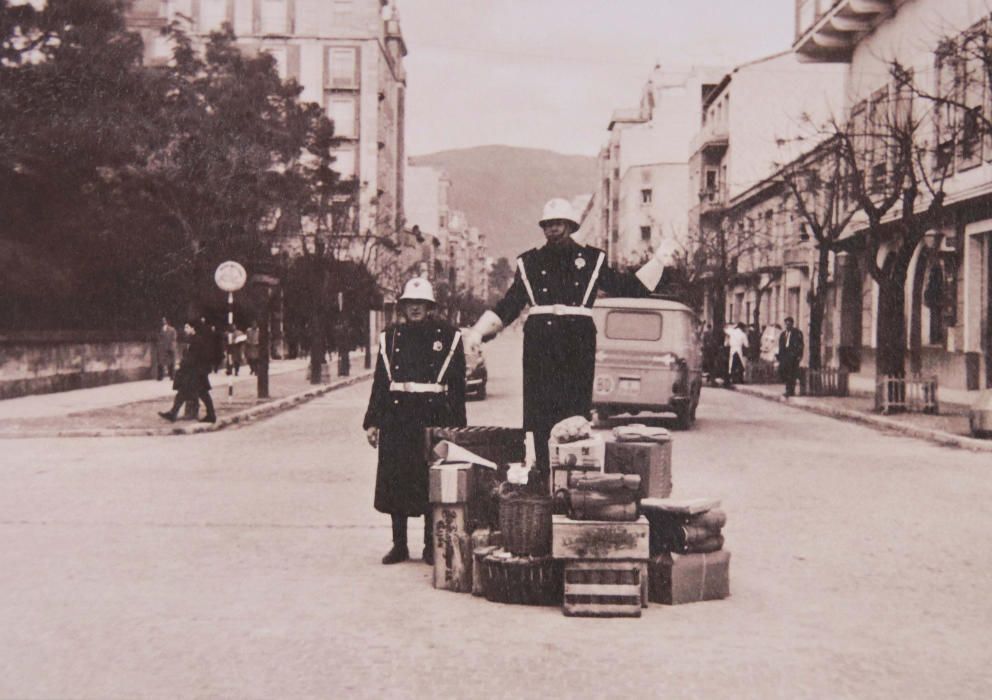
(737, 342)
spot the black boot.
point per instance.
(428, 554)
(399, 552)
(168, 415)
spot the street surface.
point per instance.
(245, 564)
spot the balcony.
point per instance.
(711, 141)
(828, 30)
(712, 201)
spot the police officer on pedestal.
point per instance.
(419, 382)
(559, 282)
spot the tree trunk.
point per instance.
(890, 358)
(817, 310)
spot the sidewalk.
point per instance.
(131, 408)
(949, 428)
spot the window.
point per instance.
(646, 196)
(274, 17)
(344, 162)
(341, 111)
(213, 13)
(645, 233)
(342, 69)
(633, 325)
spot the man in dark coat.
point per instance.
(559, 282)
(192, 380)
(790, 354)
(419, 382)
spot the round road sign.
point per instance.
(230, 276)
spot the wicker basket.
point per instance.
(525, 521)
(521, 580)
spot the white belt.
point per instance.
(561, 310)
(417, 387)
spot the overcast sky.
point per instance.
(548, 73)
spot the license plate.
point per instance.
(629, 385)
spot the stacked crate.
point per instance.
(605, 566)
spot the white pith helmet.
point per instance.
(418, 289)
(559, 208)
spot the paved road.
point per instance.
(244, 564)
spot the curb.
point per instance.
(248, 415)
(889, 425)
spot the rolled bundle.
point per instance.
(597, 505)
(606, 482)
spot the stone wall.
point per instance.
(49, 361)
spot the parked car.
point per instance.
(476, 374)
(648, 358)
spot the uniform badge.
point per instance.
(580, 263)
(437, 346)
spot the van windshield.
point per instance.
(633, 325)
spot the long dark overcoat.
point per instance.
(193, 375)
(415, 352)
(560, 351)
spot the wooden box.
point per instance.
(652, 461)
(450, 483)
(598, 539)
(603, 588)
(689, 578)
(588, 454)
(452, 548)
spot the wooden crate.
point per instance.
(652, 461)
(603, 588)
(599, 539)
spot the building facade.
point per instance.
(347, 55)
(641, 198)
(755, 258)
(948, 295)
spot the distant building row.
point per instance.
(704, 160)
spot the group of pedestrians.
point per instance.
(726, 353)
(200, 350)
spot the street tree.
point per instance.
(817, 184)
(896, 175)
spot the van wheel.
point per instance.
(600, 418)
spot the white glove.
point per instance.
(486, 328)
(650, 274)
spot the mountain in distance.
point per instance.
(502, 189)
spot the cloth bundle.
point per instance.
(571, 429)
(700, 533)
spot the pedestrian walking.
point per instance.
(559, 281)
(790, 354)
(252, 343)
(737, 343)
(192, 381)
(167, 349)
(419, 382)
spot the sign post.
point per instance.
(230, 276)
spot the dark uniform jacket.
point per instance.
(428, 352)
(193, 376)
(560, 350)
(791, 353)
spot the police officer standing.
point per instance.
(559, 282)
(419, 382)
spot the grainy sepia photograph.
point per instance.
(495, 349)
